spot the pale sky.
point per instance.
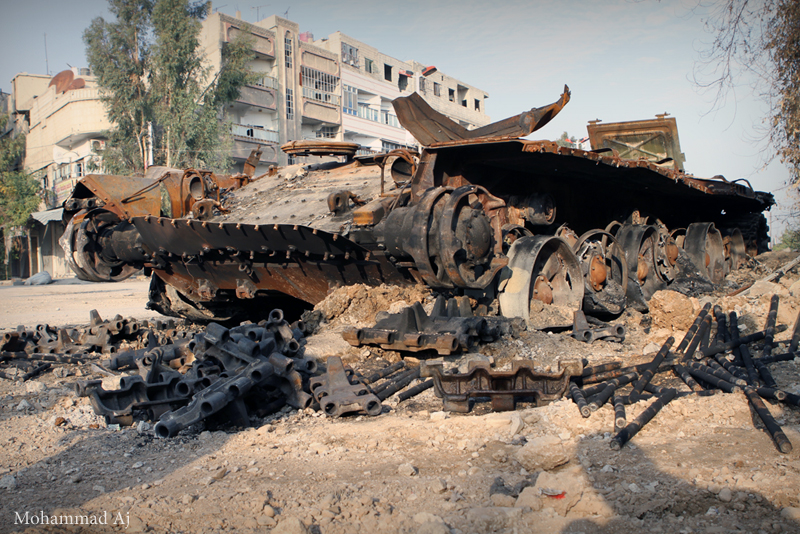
(622, 59)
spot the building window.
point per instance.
(289, 104)
(319, 85)
(291, 160)
(477, 105)
(387, 146)
(387, 72)
(402, 82)
(451, 94)
(350, 100)
(327, 132)
(79, 169)
(350, 55)
(369, 65)
(437, 89)
(422, 85)
(287, 45)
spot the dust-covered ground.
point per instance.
(701, 465)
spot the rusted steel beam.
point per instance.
(778, 437)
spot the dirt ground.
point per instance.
(701, 466)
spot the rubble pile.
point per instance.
(273, 427)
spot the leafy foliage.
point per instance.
(151, 70)
(759, 39)
(789, 240)
(566, 140)
(19, 192)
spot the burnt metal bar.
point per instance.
(416, 390)
(640, 368)
(795, 342)
(733, 343)
(744, 352)
(399, 384)
(775, 431)
(383, 373)
(715, 381)
(619, 413)
(630, 430)
(719, 372)
(579, 399)
(37, 371)
(601, 398)
(693, 329)
(722, 335)
(648, 373)
(723, 362)
(684, 375)
(396, 378)
(602, 368)
(627, 378)
(772, 358)
(705, 327)
(770, 393)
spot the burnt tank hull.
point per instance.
(482, 213)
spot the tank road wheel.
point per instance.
(734, 249)
(703, 244)
(650, 255)
(512, 232)
(542, 268)
(83, 252)
(605, 272)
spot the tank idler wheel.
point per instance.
(703, 243)
(542, 268)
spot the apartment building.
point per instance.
(334, 88)
(372, 79)
(65, 127)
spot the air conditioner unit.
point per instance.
(97, 145)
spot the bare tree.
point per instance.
(759, 41)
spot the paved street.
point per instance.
(68, 302)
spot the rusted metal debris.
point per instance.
(450, 327)
(339, 391)
(504, 388)
(728, 367)
(220, 375)
(582, 331)
(474, 211)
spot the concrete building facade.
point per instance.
(334, 88)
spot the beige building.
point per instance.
(66, 126)
(334, 88)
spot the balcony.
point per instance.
(246, 137)
(264, 47)
(374, 115)
(260, 96)
(256, 133)
(267, 82)
(322, 96)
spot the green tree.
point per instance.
(19, 192)
(150, 68)
(566, 140)
(759, 40)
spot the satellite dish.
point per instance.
(62, 81)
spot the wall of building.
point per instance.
(65, 134)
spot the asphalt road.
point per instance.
(68, 302)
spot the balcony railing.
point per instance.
(370, 114)
(259, 133)
(322, 96)
(267, 81)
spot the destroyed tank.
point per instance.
(512, 223)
